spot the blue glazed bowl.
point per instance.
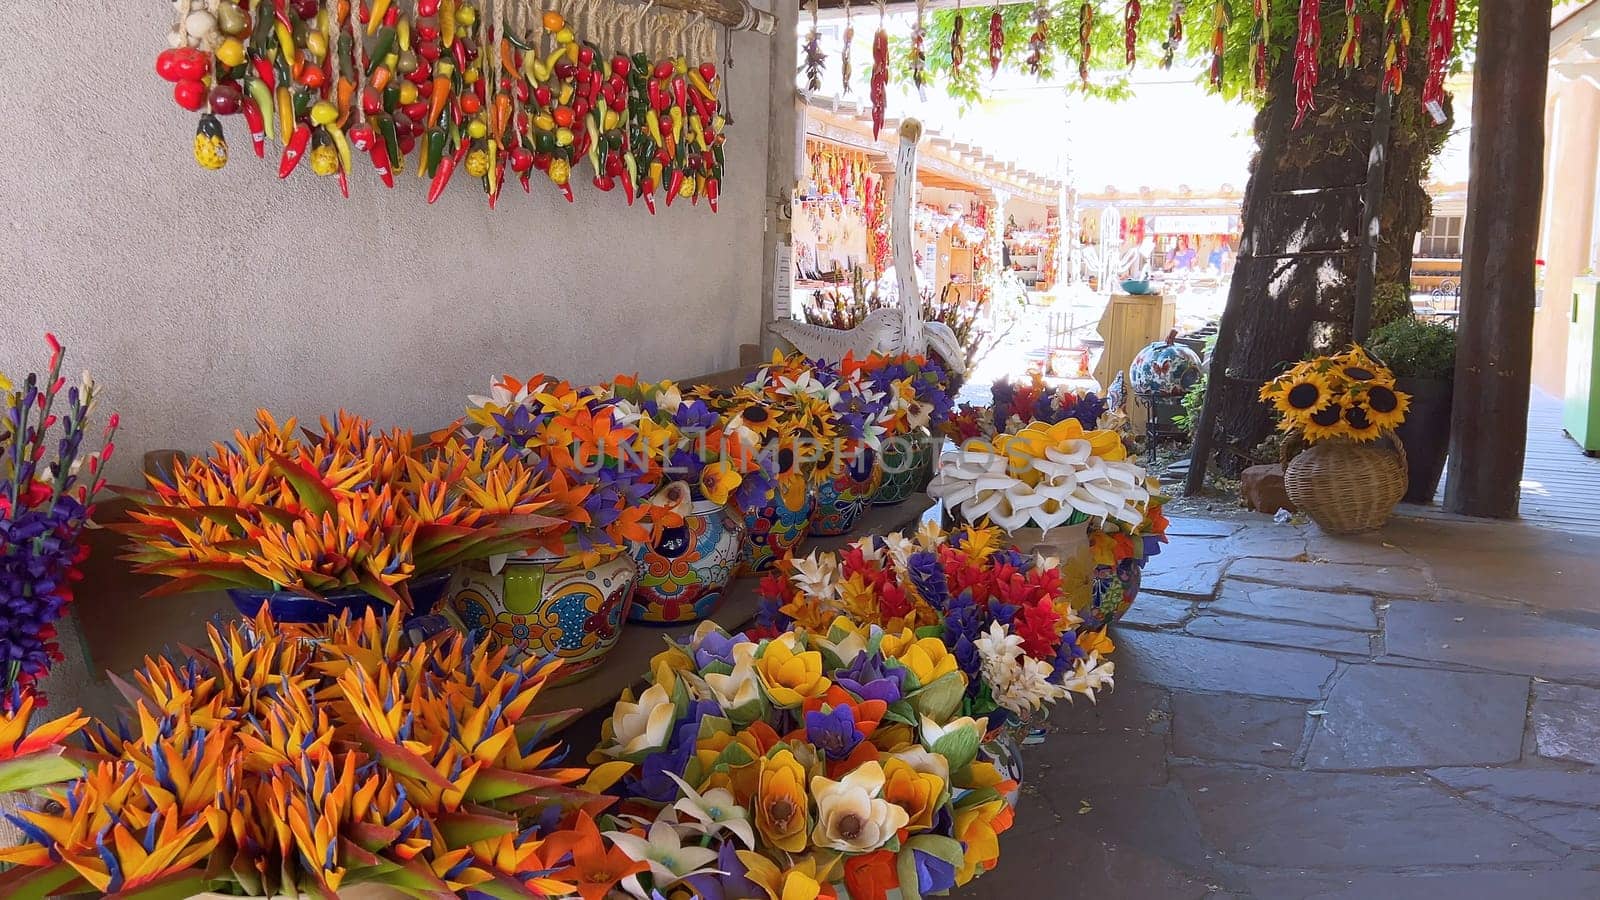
(1136, 286)
(290, 607)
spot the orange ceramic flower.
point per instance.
(870, 876)
(782, 807)
(918, 793)
(789, 677)
(977, 827)
(594, 870)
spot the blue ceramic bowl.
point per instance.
(293, 608)
(1136, 286)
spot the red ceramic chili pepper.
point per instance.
(1130, 30)
(265, 72)
(997, 41)
(1441, 46)
(257, 124)
(1307, 45)
(441, 178)
(295, 150)
(879, 89)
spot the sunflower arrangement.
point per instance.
(1350, 395)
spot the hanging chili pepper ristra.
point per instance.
(1397, 43)
(919, 53)
(997, 41)
(879, 91)
(1085, 35)
(1131, 14)
(1169, 47)
(1441, 46)
(815, 60)
(1222, 17)
(1350, 51)
(1307, 44)
(1039, 39)
(1260, 38)
(844, 50)
(958, 39)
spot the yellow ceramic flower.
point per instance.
(918, 793)
(801, 881)
(781, 802)
(975, 827)
(638, 727)
(718, 481)
(927, 658)
(791, 678)
(1092, 641)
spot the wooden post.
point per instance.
(1494, 354)
(1372, 213)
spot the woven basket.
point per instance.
(1346, 487)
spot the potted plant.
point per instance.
(47, 489)
(1423, 359)
(1340, 407)
(313, 761)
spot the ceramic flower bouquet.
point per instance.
(1349, 396)
(918, 401)
(801, 764)
(47, 491)
(272, 765)
(314, 522)
(1008, 619)
(1016, 404)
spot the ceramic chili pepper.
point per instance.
(257, 125)
(958, 42)
(1441, 47)
(1308, 43)
(1085, 34)
(441, 178)
(1131, 15)
(294, 150)
(1222, 18)
(210, 147)
(997, 41)
(879, 90)
(1350, 51)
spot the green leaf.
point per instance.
(960, 747)
(940, 699)
(903, 712)
(308, 485)
(178, 886)
(37, 770)
(464, 827)
(37, 884)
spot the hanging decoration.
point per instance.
(919, 53)
(879, 90)
(997, 41)
(844, 52)
(1441, 47)
(1222, 17)
(877, 213)
(1350, 53)
(1169, 47)
(815, 59)
(1085, 36)
(958, 38)
(1260, 37)
(1397, 43)
(834, 173)
(1131, 14)
(1307, 44)
(1039, 39)
(458, 88)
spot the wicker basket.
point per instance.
(1346, 487)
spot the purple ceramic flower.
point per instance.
(834, 732)
(730, 881)
(934, 875)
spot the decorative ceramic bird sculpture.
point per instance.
(889, 331)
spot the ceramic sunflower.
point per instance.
(1348, 395)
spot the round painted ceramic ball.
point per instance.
(1164, 369)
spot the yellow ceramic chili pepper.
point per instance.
(379, 7)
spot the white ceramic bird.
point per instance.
(890, 331)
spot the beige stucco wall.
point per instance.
(1572, 120)
(197, 296)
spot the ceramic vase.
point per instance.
(682, 576)
(1115, 588)
(777, 524)
(544, 604)
(907, 463)
(293, 607)
(845, 493)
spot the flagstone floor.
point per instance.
(1412, 714)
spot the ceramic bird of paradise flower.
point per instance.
(802, 763)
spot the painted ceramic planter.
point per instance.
(548, 605)
(1115, 588)
(294, 608)
(907, 468)
(683, 574)
(842, 498)
(778, 525)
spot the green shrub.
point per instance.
(1390, 303)
(1415, 350)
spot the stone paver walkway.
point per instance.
(1412, 714)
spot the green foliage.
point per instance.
(1391, 302)
(1194, 400)
(1413, 349)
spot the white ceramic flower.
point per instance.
(644, 725)
(925, 761)
(1089, 675)
(932, 731)
(851, 817)
(670, 861)
(742, 685)
(847, 648)
(816, 576)
(715, 810)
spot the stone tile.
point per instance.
(1382, 581)
(1493, 637)
(1477, 884)
(1288, 604)
(1372, 549)
(1566, 722)
(1131, 707)
(1240, 729)
(1195, 527)
(1283, 634)
(1190, 663)
(1382, 717)
(1156, 611)
(1560, 804)
(1268, 541)
(1190, 567)
(1325, 820)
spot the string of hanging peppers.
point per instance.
(1169, 47)
(1397, 43)
(1085, 35)
(815, 59)
(1441, 47)
(958, 38)
(919, 54)
(1039, 39)
(1350, 52)
(451, 87)
(1307, 44)
(1260, 37)
(997, 41)
(879, 91)
(844, 52)
(1222, 17)
(1130, 30)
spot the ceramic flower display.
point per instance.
(350, 508)
(965, 600)
(48, 482)
(799, 764)
(1044, 476)
(283, 764)
(1349, 395)
(1017, 403)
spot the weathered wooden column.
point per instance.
(1494, 355)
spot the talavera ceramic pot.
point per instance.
(683, 574)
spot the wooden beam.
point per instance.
(738, 15)
(1494, 354)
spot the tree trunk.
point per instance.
(1299, 259)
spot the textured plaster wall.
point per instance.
(197, 296)
(1570, 171)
